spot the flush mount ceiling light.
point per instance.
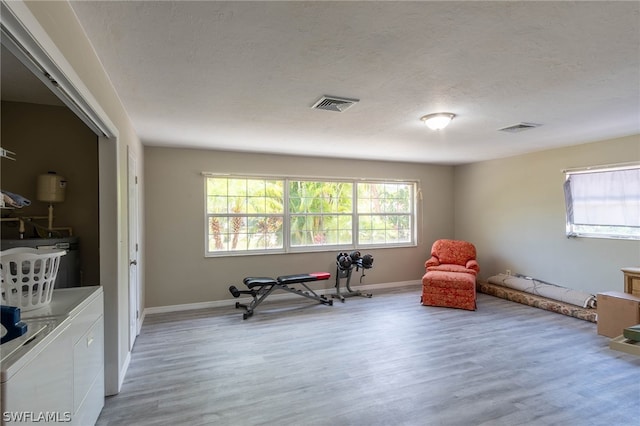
(438, 121)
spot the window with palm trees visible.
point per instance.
(244, 214)
(320, 213)
(385, 213)
(267, 215)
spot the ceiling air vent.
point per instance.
(333, 103)
(520, 127)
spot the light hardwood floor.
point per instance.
(380, 361)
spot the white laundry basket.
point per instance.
(28, 275)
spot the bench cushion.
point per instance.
(258, 281)
(303, 278)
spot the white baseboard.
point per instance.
(272, 298)
(140, 322)
(123, 371)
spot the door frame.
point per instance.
(24, 36)
(135, 323)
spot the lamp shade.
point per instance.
(51, 188)
(438, 121)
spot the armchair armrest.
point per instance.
(473, 264)
(432, 261)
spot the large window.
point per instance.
(603, 202)
(266, 215)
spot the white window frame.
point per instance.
(245, 215)
(287, 247)
(627, 208)
(412, 212)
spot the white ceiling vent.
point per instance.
(333, 103)
(520, 127)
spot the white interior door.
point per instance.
(134, 293)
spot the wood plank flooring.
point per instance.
(380, 361)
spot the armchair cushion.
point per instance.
(452, 268)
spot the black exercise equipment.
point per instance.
(345, 263)
(261, 287)
(344, 260)
(367, 261)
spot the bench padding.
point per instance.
(252, 282)
(303, 278)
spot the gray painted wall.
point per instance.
(513, 210)
(177, 271)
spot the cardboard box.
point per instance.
(616, 311)
(621, 344)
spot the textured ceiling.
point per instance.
(242, 75)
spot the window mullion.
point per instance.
(286, 225)
(355, 227)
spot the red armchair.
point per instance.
(450, 278)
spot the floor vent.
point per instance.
(332, 103)
(520, 127)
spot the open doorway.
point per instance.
(45, 136)
(20, 28)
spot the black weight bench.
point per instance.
(261, 287)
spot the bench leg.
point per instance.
(258, 296)
(310, 294)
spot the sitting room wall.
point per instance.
(177, 272)
(513, 210)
